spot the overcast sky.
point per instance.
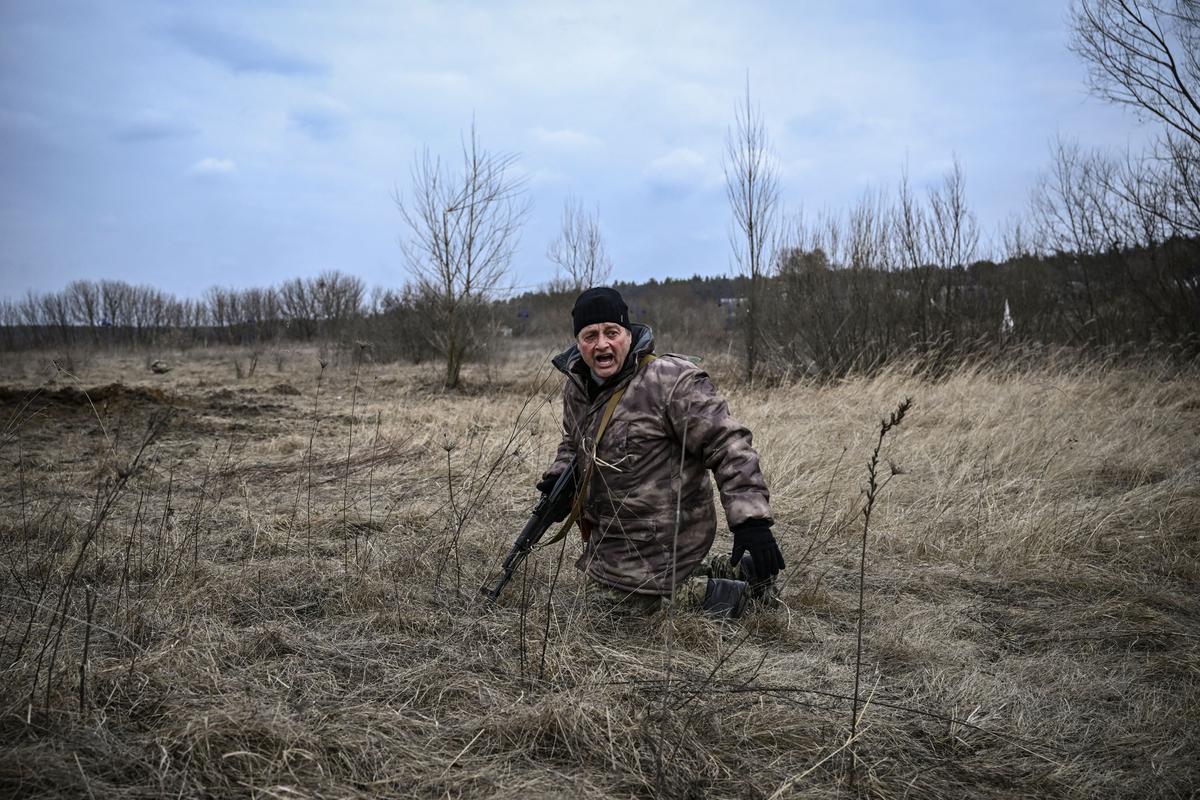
(235, 143)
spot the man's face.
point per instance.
(604, 346)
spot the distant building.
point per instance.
(731, 306)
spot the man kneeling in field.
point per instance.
(647, 430)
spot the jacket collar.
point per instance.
(570, 363)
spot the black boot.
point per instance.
(725, 598)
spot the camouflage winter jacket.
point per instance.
(639, 495)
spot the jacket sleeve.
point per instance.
(700, 417)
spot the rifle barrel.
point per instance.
(551, 507)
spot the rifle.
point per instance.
(552, 507)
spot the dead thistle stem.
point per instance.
(160, 534)
(454, 512)
(90, 604)
(524, 612)
(873, 490)
(25, 536)
(24, 500)
(308, 460)
(660, 776)
(123, 587)
(562, 550)
(521, 609)
(194, 537)
(346, 481)
(370, 489)
(195, 512)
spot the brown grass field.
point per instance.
(267, 586)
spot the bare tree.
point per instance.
(462, 231)
(117, 301)
(953, 232)
(953, 239)
(1114, 222)
(579, 249)
(259, 313)
(10, 319)
(1069, 215)
(85, 304)
(149, 312)
(1062, 202)
(910, 226)
(752, 185)
(222, 309)
(56, 312)
(869, 232)
(298, 307)
(337, 298)
(1013, 239)
(1145, 54)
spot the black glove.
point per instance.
(755, 537)
(547, 482)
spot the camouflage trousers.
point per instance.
(689, 594)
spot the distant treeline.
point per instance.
(827, 318)
(817, 315)
(113, 312)
(331, 307)
(832, 321)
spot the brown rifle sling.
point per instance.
(581, 495)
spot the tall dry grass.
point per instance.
(280, 597)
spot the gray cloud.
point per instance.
(242, 53)
(212, 166)
(150, 126)
(94, 104)
(682, 170)
(322, 124)
(566, 139)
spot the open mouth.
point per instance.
(605, 360)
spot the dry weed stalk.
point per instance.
(346, 479)
(481, 480)
(90, 605)
(873, 490)
(106, 497)
(371, 490)
(308, 455)
(194, 534)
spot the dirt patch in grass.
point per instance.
(63, 399)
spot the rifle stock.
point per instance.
(551, 507)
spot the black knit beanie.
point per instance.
(600, 304)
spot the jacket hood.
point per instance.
(570, 361)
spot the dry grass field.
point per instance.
(219, 584)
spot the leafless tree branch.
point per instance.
(579, 249)
(752, 186)
(462, 231)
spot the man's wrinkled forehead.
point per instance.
(602, 327)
